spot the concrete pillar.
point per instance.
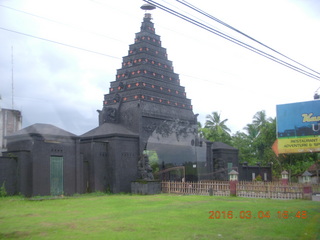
(284, 177)
(307, 189)
(233, 180)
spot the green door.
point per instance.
(56, 175)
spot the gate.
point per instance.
(56, 175)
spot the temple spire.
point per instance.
(147, 7)
(146, 82)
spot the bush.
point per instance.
(3, 191)
(258, 178)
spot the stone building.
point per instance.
(41, 160)
(146, 121)
(10, 122)
(251, 173)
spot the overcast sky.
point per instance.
(64, 86)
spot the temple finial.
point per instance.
(147, 7)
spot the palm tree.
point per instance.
(214, 123)
(260, 118)
(252, 131)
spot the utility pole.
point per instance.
(12, 83)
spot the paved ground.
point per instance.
(316, 197)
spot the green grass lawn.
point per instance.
(158, 217)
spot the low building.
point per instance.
(253, 173)
(44, 160)
(314, 171)
(10, 122)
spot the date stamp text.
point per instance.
(257, 215)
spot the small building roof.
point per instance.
(221, 145)
(109, 129)
(233, 172)
(43, 130)
(306, 173)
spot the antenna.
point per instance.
(12, 83)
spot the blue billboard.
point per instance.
(298, 127)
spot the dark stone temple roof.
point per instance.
(43, 130)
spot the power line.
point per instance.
(82, 49)
(184, 18)
(201, 25)
(185, 3)
(193, 77)
(229, 38)
(61, 23)
(60, 43)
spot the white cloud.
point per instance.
(64, 86)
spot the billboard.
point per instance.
(298, 127)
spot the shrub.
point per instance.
(3, 191)
(258, 178)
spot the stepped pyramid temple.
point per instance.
(147, 131)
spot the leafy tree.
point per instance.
(214, 122)
(255, 144)
(216, 129)
(260, 119)
(243, 143)
(252, 131)
(153, 161)
(297, 163)
(264, 141)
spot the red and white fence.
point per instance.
(218, 188)
(275, 190)
(270, 190)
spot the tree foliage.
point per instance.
(255, 143)
(216, 129)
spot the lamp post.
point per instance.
(284, 177)
(307, 189)
(233, 180)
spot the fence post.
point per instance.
(307, 189)
(233, 180)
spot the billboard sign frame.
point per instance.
(298, 127)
